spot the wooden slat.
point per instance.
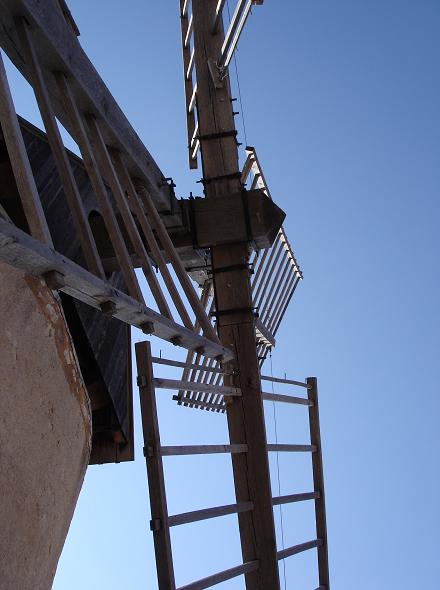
(282, 311)
(218, 15)
(286, 381)
(287, 448)
(295, 549)
(20, 163)
(31, 256)
(194, 386)
(183, 365)
(287, 399)
(80, 220)
(202, 405)
(203, 449)
(156, 482)
(206, 513)
(190, 91)
(277, 500)
(189, 69)
(215, 579)
(78, 124)
(178, 267)
(318, 481)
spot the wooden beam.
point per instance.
(206, 513)
(287, 399)
(203, 449)
(156, 482)
(215, 579)
(288, 448)
(277, 500)
(318, 481)
(295, 549)
(286, 381)
(73, 198)
(221, 174)
(196, 386)
(21, 250)
(20, 163)
(183, 365)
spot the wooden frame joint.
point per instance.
(54, 280)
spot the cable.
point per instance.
(278, 471)
(238, 86)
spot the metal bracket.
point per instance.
(148, 451)
(142, 381)
(219, 135)
(217, 74)
(155, 524)
(235, 310)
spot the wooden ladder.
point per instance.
(154, 451)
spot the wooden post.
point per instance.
(318, 481)
(153, 457)
(235, 319)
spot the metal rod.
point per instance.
(206, 513)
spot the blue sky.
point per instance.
(341, 102)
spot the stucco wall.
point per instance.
(45, 432)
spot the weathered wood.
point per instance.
(233, 572)
(183, 365)
(77, 121)
(20, 163)
(286, 381)
(196, 386)
(295, 549)
(205, 513)
(153, 245)
(287, 399)
(318, 482)
(218, 15)
(156, 482)
(179, 269)
(31, 256)
(82, 226)
(288, 448)
(246, 216)
(234, 303)
(203, 449)
(277, 500)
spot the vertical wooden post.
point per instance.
(318, 481)
(235, 319)
(156, 483)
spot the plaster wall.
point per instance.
(45, 432)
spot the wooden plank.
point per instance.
(288, 448)
(20, 163)
(73, 198)
(178, 267)
(194, 386)
(295, 549)
(89, 160)
(183, 365)
(201, 404)
(318, 481)
(236, 323)
(250, 566)
(21, 250)
(277, 500)
(156, 481)
(286, 381)
(218, 15)
(203, 449)
(206, 513)
(287, 399)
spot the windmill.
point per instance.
(84, 244)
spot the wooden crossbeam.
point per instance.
(289, 448)
(195, 386)
(295, 549)
(287, 399)
(286, 381)
(31, 256)
(206, 513)
(233, 572)
(288, 499)
(203, 449)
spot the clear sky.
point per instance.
(341, 100)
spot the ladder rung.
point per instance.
(189, 32)
(292, 448)
(233, 572)
(190, 65)
(203, 449)
(196, 386)
(160, 361)
(287, 381)
(299, 548)
(195, 515)
(192, 100)
(286, 399)
(277, 500)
